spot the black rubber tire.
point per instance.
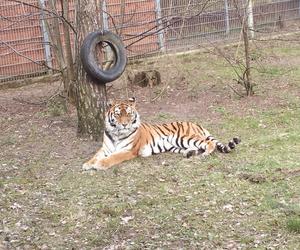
(89, 61)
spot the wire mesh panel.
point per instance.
(274, 11)
(136, 22)
(21, 40)
(146, 27)
(56, 36)
(190, 22)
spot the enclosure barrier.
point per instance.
(147, 27)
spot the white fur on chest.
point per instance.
(115, 143)
(118, 146)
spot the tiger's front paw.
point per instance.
(93, 166)
(87, 166)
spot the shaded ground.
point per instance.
(246, 199)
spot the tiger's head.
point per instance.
(122, 117)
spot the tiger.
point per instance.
(126, 137)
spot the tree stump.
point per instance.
(144, 78)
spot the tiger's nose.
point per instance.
(124, 125)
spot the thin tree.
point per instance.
(243, 68)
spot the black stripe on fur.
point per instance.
(227, 148)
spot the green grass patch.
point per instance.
(273, 71)
(286, 51)
(293, 224)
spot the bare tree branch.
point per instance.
(53, 13)
(28, 58)
(166, 22)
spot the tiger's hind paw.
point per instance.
(190, 153)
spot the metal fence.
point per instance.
(146, 26)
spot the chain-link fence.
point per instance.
(146, 26)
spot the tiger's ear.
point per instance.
(110, 103)
(131, 101)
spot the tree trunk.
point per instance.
(61, 54)
(68, 53)
(248, 81)
(91, 97)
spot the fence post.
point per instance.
(160, 26)
(46, 39)
(226, 17)
(249, 13)
(105, 17)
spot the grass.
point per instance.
(246, 199)
(293, 224)
(184, 202)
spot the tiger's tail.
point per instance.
(204, 150)
(227, 148)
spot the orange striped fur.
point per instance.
(125, 138)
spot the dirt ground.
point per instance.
(41, 155)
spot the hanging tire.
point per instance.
(89, 59)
